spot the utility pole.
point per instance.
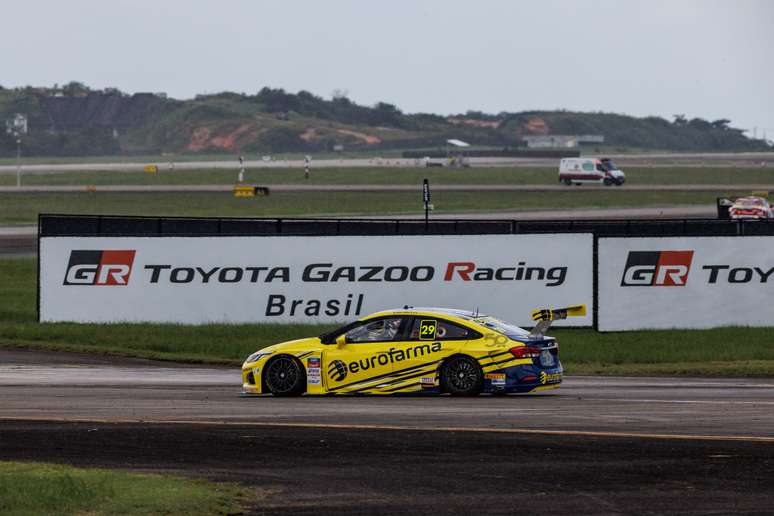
(18, 161)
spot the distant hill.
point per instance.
(76, 121)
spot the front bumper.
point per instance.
(251, 381)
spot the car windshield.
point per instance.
(509, 330)
(610, 165)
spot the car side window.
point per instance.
(380, 330)
(430, 328)
(589, 167)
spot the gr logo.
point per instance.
(657, 269)
(337, 370)
(99, 268)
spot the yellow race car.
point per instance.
(413, 350)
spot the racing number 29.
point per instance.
(427, 330)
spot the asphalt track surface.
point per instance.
(53, 385)
(653, 160)
(597, 445)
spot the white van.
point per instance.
(590, 170)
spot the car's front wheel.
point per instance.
(462, 376)
(284, 376)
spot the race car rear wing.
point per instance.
(546, 316)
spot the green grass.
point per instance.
(725, 351)
(393, 175)
(24, 208)
(722, 351)
(48, 489)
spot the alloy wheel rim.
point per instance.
(462, 374)
(282, 375)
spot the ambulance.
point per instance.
(590, 170)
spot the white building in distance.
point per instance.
(17, 124)
(556, 141)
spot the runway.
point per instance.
(310, 188)
(52, 386)
(710, 159)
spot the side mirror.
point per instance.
(341, 340)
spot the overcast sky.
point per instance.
(703, 58)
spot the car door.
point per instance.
(416, 359)
(362, 360)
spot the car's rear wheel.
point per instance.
(567, 181)
(284, 376)
(462, 376)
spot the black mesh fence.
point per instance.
(96, 225)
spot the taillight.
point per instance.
(526, 352)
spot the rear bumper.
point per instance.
(523, 378)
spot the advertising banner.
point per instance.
(685, 282)
(198, 280)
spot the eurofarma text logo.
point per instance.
(657, 269)
(99, 267)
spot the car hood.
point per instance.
(305, 344)
(291, 347)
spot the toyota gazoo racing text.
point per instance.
(414, 350)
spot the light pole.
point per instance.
(426, 201)
(18, 162)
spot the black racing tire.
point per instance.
(284, 376)
(567, 181)
(462, 376)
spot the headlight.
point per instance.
(256, 356)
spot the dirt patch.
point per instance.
(309, 135)
(321, 471)
(537, 125)
(202, 138)
(199, 139)
(368, 139)
(229, 141)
